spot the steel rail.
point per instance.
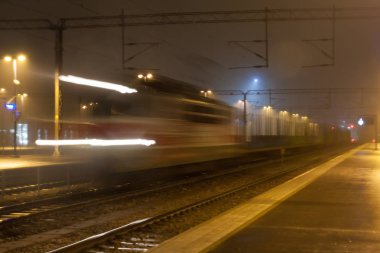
(106, 237)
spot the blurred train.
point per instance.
(185, 126)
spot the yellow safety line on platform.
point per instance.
(210, 233)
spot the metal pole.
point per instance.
(122, 40)
(15, 133)
(266, 39)
(375, 131)
(15, 120)
(57, 91)
(333, 34)
(38, 181)
(245, 115)
(2, 185)
(270, 97)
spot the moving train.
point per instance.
(184, 125)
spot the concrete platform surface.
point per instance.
(333, 208)
(29, 161)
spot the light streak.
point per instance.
(95, 142)
(96, 83)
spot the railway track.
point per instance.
(40, 207)
(93, 197)
(142, 235)
(30, 216)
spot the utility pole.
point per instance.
(57, 89)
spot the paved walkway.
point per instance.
(333, 208)
(32, 157)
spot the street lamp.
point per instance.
(206, 93)
(145, 77)
(14, 60)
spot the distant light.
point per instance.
(202, 91)
(360, 122)
(255, 80)
(147, 76)
(84, 107)
(10, 106)
(209, 91)
(15, 81)
(8, 58)
(95, 142)
(2, 90)
(21, 57)
(98, 84)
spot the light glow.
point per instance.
(8, 58)
(10, 106)
(96, 142)
(149, 76)
(21, 57)
(98, 84)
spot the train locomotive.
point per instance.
(185, 127)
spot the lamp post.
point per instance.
(14, 60)
(146, 77)
(206, 93)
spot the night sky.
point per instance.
(201, 54)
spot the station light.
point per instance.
(21, 57)
(145, 77)
(8, 58)
(361, 122)
(10, 106)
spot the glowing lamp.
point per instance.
(10, 106)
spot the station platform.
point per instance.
(33, 157)
(333, 208)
